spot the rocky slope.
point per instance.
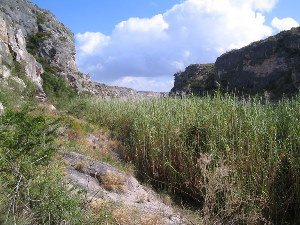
(268, 65)
(121, 189)
(197, 78)
(29, 34)
(271, 65)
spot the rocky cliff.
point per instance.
(35, 39)
(196, 79)
(13, 44)
(271, 65)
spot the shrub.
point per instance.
(56, 88)
(34, 42)
(41, 18)
(32, 188)
(63, 39)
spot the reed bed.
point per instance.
(238, 160)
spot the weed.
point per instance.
(113, 181)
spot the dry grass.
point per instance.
(151, 220)
(97, 204)
(166, 199)
(123, 214)
(126, 216)
(114, 182)
(80, 166)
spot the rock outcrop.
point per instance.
(28, 33)
(271, 65)
(122, 188)
(24, 19)
(196, 79)
(13, 48)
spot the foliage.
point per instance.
(41, 18)
(14, 94)
(62, 39)
(32, 190)
(52, 195)
(55, 86)
(34, 42)
(239, 160)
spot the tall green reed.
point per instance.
(237, 158)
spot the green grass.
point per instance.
(33, 188)
(238, 160)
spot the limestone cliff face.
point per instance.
(271, 65)
(13, 48)
(21, 19)
(28, 32)
(196, 79)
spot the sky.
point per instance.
(141, 43)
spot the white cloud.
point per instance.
(264, 5)
(145, 83)
(195, 31)
(284, 24)
(92, 42)
(136, 25)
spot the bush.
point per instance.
(57, 89)
(34, 41)
(26, 141)
(32, 189)
(41, 18)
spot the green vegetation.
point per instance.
(41, 18)
(32, 187)
(55, 86)
(63, 39)
(238, 160)
(34, 41)
(12, 93)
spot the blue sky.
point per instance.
(142, 43)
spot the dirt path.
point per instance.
(133, 203)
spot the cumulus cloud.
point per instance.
(91, 42)
(141, 50)
(284, 24)
(145, 83)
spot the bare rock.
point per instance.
(13, 46)
(270, 65)
(5, 71)
(104, 182)
(196, 78)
